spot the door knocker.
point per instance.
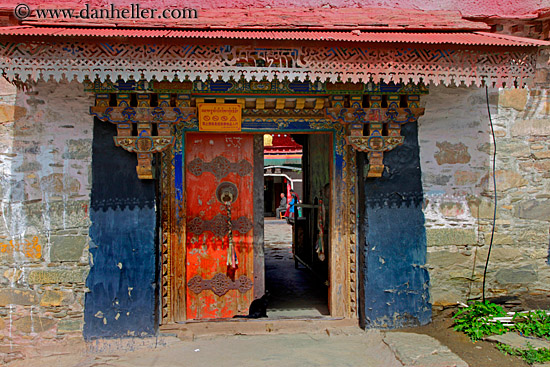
(227, 191)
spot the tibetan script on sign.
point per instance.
(219, 117)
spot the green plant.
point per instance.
(536, 323)
(474, 320)
(477, 320)
(529, 355)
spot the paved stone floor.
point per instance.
(345, 347)
(293, 292)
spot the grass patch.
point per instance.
(478, 320)
(529, 355)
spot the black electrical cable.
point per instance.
(494, 187)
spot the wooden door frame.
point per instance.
(342, 241)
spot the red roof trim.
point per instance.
(506, 37)
(455, 38)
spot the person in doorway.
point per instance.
(282, 206)
(291, 207)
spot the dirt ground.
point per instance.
(480, 353)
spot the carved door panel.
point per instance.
(219, 251)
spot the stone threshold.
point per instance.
(192, 329)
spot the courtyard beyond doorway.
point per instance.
(294, 292)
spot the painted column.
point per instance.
(394, 284)
(122, 297)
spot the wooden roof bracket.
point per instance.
(382, 126)
(143, 130)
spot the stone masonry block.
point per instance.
(499, 254)
(538, 235)
(80, 149)
(505, 179)
(67, 326)
(28, 166)
(56, 276)
(9, 113)
(23, 297)
(499, 239)
(537, 127)
(513, 98)
(67, 248)
(523, 275)
(482, 208)
(445, 259)
(61, 214)
(21, 250)
(450, 236)
(518, 149)
(451, 153)
(542, 154)
(542, 166)
(464, 178)
(533, 209)
(446, 297)
(58, 183)
(54, 298)
(34, 324)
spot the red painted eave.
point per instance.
(455, 38)
(279, 18)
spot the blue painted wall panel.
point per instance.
(122, 297)
(394, 283)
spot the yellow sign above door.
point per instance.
(219, 117)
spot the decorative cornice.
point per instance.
(28, 61)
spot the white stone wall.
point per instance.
(456, 159)
(45, 163)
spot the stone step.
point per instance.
(421, 350)
(194, 329)
(519, 342)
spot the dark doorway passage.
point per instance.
(294, 293)
(296, 290)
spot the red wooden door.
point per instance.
(219, 170)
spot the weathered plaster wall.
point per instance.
(456, 156)
(466, 7)
(45, 155)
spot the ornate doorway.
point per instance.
(220, 233)
(354, 116)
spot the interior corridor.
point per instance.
(294, 293)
